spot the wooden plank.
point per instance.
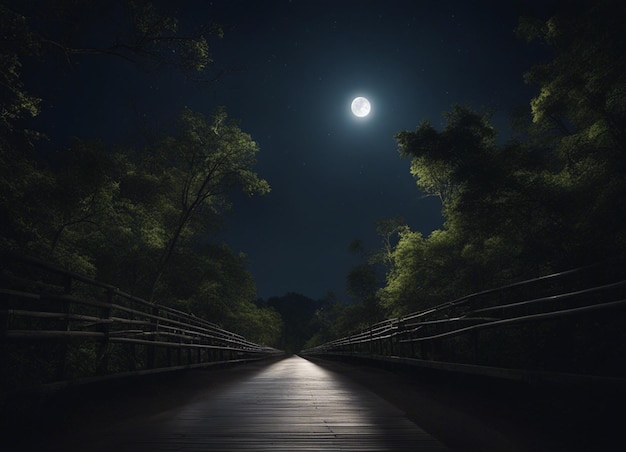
(292, 404)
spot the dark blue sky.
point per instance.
(294, 67)
(333, 175)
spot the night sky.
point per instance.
(292, 70)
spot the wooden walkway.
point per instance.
(292, 404)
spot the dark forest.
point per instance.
(140, 213)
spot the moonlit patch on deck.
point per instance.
(292, 405)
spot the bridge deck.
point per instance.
(294, 404)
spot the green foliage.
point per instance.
(389, 231)
(202, 162)
(140, 31)
(155, 36)
(424, 272)
(136, 218)
(582, 89)
(335, 318)
(16, 104)
(551, 200)
(328, 322)
(443, 163)
(24, 187)
(212, 283)
(582, 105)
(362, 282)
(99, 214)
(298, 314)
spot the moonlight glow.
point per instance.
(361, 107)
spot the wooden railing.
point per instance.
(564, 326)
(58, 326)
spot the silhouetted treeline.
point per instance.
(297, 312)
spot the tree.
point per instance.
(581, 109)
(445, 163)
(135, 218)
(424, 272)
(20, 174)
(298, 313)
(24, 190)
(362, 282)
(148, 34)
(328, 322)
(84, 189)
(213, 283)
(204, 163)
(38, 31)
(582, 88)
(389, 231)
(550, 200)
(486, 203)
(16, 41)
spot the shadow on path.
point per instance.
(292, 404)
(480, 414)
(296, 404)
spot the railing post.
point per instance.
(475, 340)
(67, 284)
(436, 349)
(131, 350)
(424, 349)
(154, 328)
(168, 354)
(102, 365)
(394, 344)
(49, 313)
(61, 371)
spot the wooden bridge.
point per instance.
(291, 404)
(428, 381)
(295, 404)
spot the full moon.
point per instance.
(361, 107)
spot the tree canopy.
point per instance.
(551, 199)
(139, 217)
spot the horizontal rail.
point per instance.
(50, 334)
(562, 305)
(522, 319)
(116, 333)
